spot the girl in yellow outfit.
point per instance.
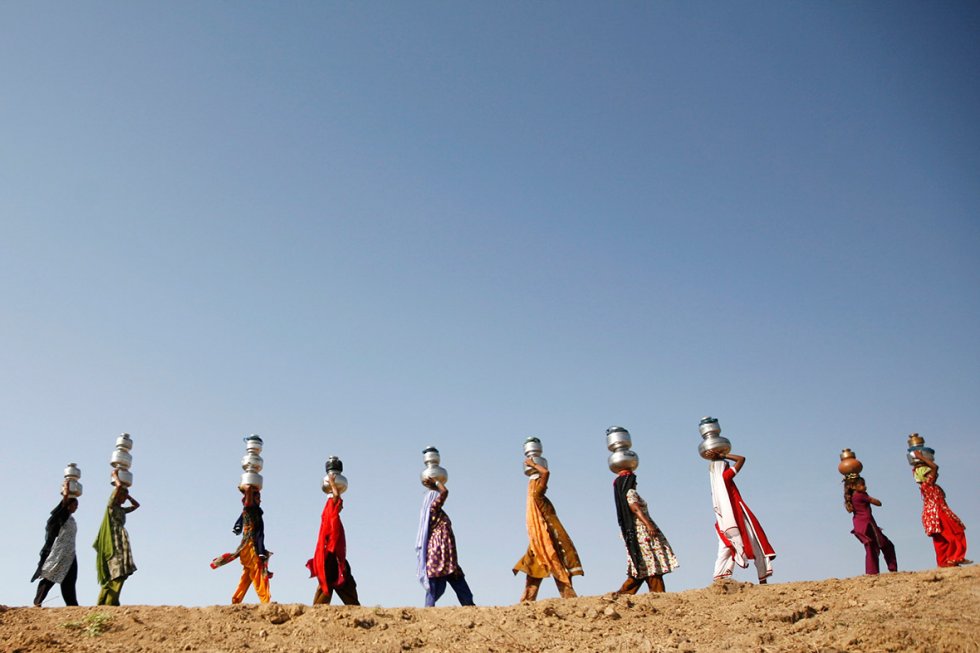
(550, 550)
(251, 551)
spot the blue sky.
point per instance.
(361, 229)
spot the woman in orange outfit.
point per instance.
(550, 550)
(251, 551)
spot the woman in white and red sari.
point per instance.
(740, 534)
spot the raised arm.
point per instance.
(738, 460)
(540, 469)
(133, 503)
(933, 467)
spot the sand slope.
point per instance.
(922, 611)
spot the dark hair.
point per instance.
(850, 485)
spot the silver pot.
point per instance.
(252, 462)
(338, 479)
(252, 478)
(623, 460)
(714, 443)
(124, 442)
(430, 455)
(618, 438)
(530, 471)
(74, 488)
(73, 472)
(334, 464)
(121, 459)
(532, 446)
(125, 477)
(709, 426)
(253, 443)
(928, 452)
(436, 473)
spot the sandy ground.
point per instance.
(922, 611)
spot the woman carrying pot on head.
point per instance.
(113, 555)
(251, 550)
(740, 535)
(58, 563)
(940, 523)
(550, 550)
(648, 553)
(858, 502)
(329, 562)
(435, 546)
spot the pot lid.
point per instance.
(613, 429)
(707, 420)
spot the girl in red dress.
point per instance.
(940, 523)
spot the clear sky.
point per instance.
(359, 229)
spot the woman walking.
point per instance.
(550, 550)
(858, 502)
(251, 550)
(740, 535)
(648, 553)
(329, 562)
(435, 547)
(58, 563)
(113, 555)
(940, 523)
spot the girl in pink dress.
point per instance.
(858, 502)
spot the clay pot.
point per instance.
(849, 464)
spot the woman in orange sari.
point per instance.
(550, 550)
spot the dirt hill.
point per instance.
(922, 611)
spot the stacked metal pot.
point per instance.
(72, 476)
(918, 443)
(334, 466)
(711, 438)
(532, 451)
(431, 458)
(121, 459)
(622, 458)
(252, 462)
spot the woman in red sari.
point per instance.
(940, 523)
(329, 562)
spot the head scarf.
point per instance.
(330, 540)
(57, 519)
(422, 539)
(625, 482)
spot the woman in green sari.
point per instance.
(113, 555)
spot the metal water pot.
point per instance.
(253, 444)
(623, 460)
(72, 474)
(121, 459)
(618, 438)
(252, 462)
(124, 442)
(532, 446)
(711, 438)
(74, 488)
(338, 479)
(431, 458)
(530, 471)
(252, 478)
(125, 477)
